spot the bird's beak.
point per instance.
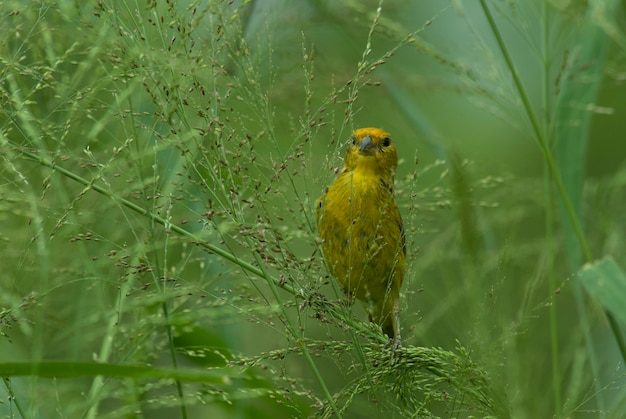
(366, 145)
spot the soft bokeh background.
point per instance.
(228, 119)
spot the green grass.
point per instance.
(160, 166)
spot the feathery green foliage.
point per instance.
(160, 165)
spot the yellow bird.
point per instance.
(361, 228)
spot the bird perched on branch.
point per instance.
(361, 229)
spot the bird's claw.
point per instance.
(394, 344)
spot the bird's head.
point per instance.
(371, 149)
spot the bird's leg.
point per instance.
(395, 341)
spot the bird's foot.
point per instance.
(395, 345)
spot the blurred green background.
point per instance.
(160, 166)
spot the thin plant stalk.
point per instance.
(552, 166)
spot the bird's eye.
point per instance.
(353, 140)
(386, 141)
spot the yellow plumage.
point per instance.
(361, 228)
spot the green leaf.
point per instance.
(68, 369)
(583, 72)
(605, 281)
